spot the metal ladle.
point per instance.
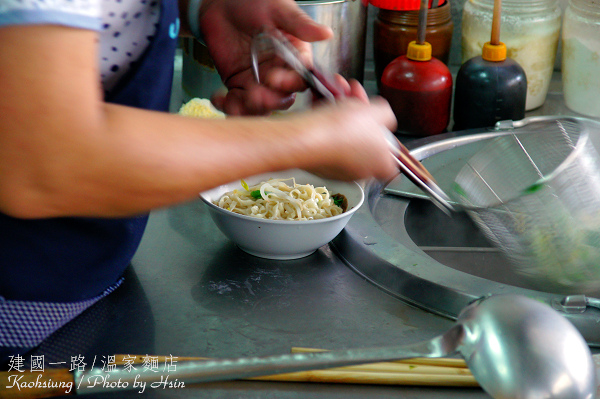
(516, 347)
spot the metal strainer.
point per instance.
(535, 194)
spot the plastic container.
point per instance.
(530, 30)
(395, 26)
(419, 90)
(581, 57)
(489, 88)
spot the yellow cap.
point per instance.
(494, 52)
(418, 52)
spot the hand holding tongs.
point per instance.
(324, 87)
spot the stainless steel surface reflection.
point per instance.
(411, 250)
(508, 342)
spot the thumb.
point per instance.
(293, 20)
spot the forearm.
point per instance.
(169, 158)
(64, 152)
(135, 160)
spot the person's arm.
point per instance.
(63, 151)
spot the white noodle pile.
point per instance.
(280, 201)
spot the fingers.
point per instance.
(352, 134)
(284, 80)
(356, 90)
(300, 28)
(383, 112)
(293, 20)
(380, 108)
(255, 101)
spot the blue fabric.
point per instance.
(148, 83)
(26, 323)
(67, 263)
(64, 259)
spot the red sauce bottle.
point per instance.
(396, 25)
(419, 90)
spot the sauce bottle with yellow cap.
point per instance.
(396, 24)
(490, 87)
(419, 90)
(418, 87)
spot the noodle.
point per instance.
(276, 200)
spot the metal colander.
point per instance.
(535, 194)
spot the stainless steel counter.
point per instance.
(191, 292)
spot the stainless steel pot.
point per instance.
(344, 53)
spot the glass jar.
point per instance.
(394, 29)
(529, 28)
(199, 78)
(581, 57)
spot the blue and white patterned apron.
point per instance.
(51, 270)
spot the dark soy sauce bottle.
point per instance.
(491, 87)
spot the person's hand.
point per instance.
(350, 137)
(228, 27)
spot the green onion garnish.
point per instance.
(245, 185)
(338, 201)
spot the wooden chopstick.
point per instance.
(365, 377)
(404, 156)
(381, 373)
(440, 361)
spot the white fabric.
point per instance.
(125, 26)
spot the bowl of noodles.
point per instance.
(283, 215)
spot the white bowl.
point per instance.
(283, 239)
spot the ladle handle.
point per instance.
(193, 372)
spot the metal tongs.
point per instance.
(324, 87)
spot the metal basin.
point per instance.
(403, 244)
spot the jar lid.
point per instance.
(401, 5)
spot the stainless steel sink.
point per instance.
(402, 243)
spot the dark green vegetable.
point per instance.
(533, 188)
(341, 201)
(459, 190)
(256, 194)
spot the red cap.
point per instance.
(401, 5)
